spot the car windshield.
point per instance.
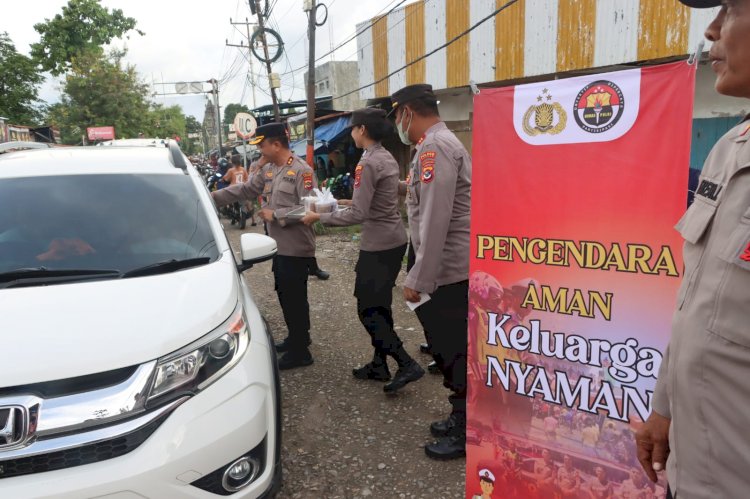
(101, 222)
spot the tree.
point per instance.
(19, 81)
(192, 126)
(100, 91)
(230, 111)
(166, 122)
(83, 25)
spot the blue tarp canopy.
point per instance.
(328, 132)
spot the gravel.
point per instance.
(344, 438)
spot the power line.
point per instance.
(348, 40)
(425, 56)
(390, 28)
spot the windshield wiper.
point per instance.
(166, 266)
(42, 275)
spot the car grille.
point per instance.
(63, 387)
(79, 456)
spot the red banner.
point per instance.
(577, 185)
(101, 133)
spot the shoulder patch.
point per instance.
(358, 175)
(308, 180)
(427, 155)
(427, 162)
(428, 173)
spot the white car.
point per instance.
(133, 360)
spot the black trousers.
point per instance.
(373, 287)
(290, 279)
(444, 319)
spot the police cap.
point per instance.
(268, 131)
(419, 91)
(701, 4)
(486, 475)
(369, 117)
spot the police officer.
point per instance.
(699, 424)
(375, 206)
(439, 203)
(282, 183)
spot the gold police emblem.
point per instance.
(548, 117)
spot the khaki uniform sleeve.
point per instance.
(304, 185)
(364, 190)
(438, 176)
(660, 402)
(239, 192)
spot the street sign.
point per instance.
(189, 87)
(245, 125)
(101, 133)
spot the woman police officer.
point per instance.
(375, 206)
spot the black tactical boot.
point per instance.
(292, 359)
(433, 368)
(451, 447)
(374, 371)
(447, 426)
(283, 346)
(405, 374)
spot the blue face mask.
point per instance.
(404, 134)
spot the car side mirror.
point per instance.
(255, 248)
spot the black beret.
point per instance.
(268, 131)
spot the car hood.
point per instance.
(68, 330)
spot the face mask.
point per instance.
(404, 134)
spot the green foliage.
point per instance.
(83, 25)
(100, 91)
(193, 125)
(192, 146)
(165, 122)
(19, 81)
(232, 110)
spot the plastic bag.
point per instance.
(325, 202)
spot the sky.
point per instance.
(185, 41)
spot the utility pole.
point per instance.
(215, 91)
(262, 28)
(310, 7)
(247, 25)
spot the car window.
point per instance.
(119, 222)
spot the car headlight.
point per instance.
(199, 364)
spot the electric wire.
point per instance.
(437, 49)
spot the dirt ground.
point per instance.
(342, 437)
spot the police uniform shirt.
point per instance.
(439, 203)
(374, 203)
(282, 188)
(703, 381)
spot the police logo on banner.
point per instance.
(541, 111)
(548, 116)
(599, 106)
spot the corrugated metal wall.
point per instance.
(528, 38)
